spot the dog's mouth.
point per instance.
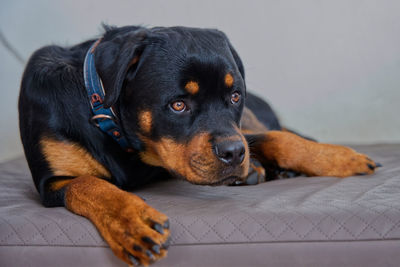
(209, 171)
(230, 180)
(227, 181)
(194, 161)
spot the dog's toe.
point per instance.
(136, 232)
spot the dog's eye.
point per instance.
(235, 97)
(178, 106)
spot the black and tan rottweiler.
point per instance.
(116, 112)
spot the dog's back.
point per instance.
(177, 95)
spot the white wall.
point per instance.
(330, 68)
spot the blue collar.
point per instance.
(104, 118)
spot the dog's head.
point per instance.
(179, 93)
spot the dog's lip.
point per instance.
(224, 181)
(227, 181)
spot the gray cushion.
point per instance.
(299, 221)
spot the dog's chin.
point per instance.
(227, 181)
(224, 181)
(211, 179)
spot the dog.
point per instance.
(113, 113)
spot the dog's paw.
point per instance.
(341, 161)
(256, 173)
(137, 233)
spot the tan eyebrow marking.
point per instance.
(145, 121)
(192, 87)
(229, 80)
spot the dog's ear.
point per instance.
(114, 56)
(237, 59)
(235, 55)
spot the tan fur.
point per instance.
(175, 156)
(290, 151)
(56, 185)
(229, 80)
(122, 218)
(193, 160)
(70, 159)
(250, 124)
(192, 87)
(145, 121)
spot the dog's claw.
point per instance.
(150, 255)
(370, 166)
(158, 228)
(166, 224)
(134, 261)
(377, 165)
(156, 249)
(252, 179)
(166, 244)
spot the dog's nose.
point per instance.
(231, 153)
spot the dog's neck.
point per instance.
(104, 118)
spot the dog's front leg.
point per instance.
(136, 232)
(292, 152)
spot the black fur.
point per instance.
(53, 100)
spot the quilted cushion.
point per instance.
(298, 221)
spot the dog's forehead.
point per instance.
(189, 60)
(186, 47)
(193, 35)
(206, 73)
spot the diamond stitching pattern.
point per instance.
(301, 209)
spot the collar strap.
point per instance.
(104, 118)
